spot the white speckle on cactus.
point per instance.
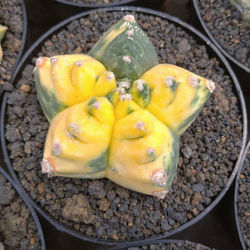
(47, 168)
(126, 59)
(140, 126)
(96, 104)
(54, 60)
(160, 194)
(40, 60)
(210, 85)
(193, 81)
(110, 76)
(169, 81)
(130, 33)
(126, 97)
(78, 63)
(159, 178)
(140, 86)
(124, 84)
(56, 149)
(150, 151)
(121, 90)
(129, 18)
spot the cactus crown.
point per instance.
(118, 113)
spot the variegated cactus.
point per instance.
(3, 30)
(118, 113)
(244, 7)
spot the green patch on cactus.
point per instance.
(174, 86)
(170, 164)
(132, 138)
(99, 164)
(144, 95)
(123, 67)
(152, 157)
(3, 30)
(130, 110)
(91, 107)
(125, 50)
(49, 103)
(141, 93)
(202, 94)
(110, 96)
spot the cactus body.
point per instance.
(143, 153)
(3, 30)
(124, 123)
(63, 81)
(244, 7)
(176, 95)
(78, 140)
(125, 49)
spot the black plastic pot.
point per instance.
(236, 193)
(212, 50)
(112, 4)
(210, 35)
(157, 242)
(25, 199)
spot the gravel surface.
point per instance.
(10, 16)
(225, 23)
(94, 1)
(208, 150)
(244, 200)
(182, 245)
(17, 227)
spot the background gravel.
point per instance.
(244, 200)
(229, 29)
(17, 228)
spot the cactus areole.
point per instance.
(117, 112)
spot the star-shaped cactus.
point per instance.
(117, 112)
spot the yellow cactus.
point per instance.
(176, 95)
(122, 121)
(65, 80)
(143, 152)
(78, 140)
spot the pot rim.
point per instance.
(163, 241)
(212, 38)
(195, 33)
(236, 195)
(98, 5)
(20, 191)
